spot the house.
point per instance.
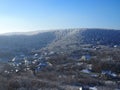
(115, 46)
(109, 74)
(35, 56)
(26, 62)
(86, 71)
(13, 59)
(85, 57)
(7, 72)
(93, 88)
(89, 66)
(51, 53)
(34, 61)
(40, 66)
(49, 64)
(94, 75)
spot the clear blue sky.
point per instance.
(30, 15)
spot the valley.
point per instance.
(67, 59)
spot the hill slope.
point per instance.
(14, 45)
(71, 39)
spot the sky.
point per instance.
(31, 15)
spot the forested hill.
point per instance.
(23, 43)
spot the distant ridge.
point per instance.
(43, 31)
(24, 33)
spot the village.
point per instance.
(82, 68)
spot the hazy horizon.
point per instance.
(29, 15)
